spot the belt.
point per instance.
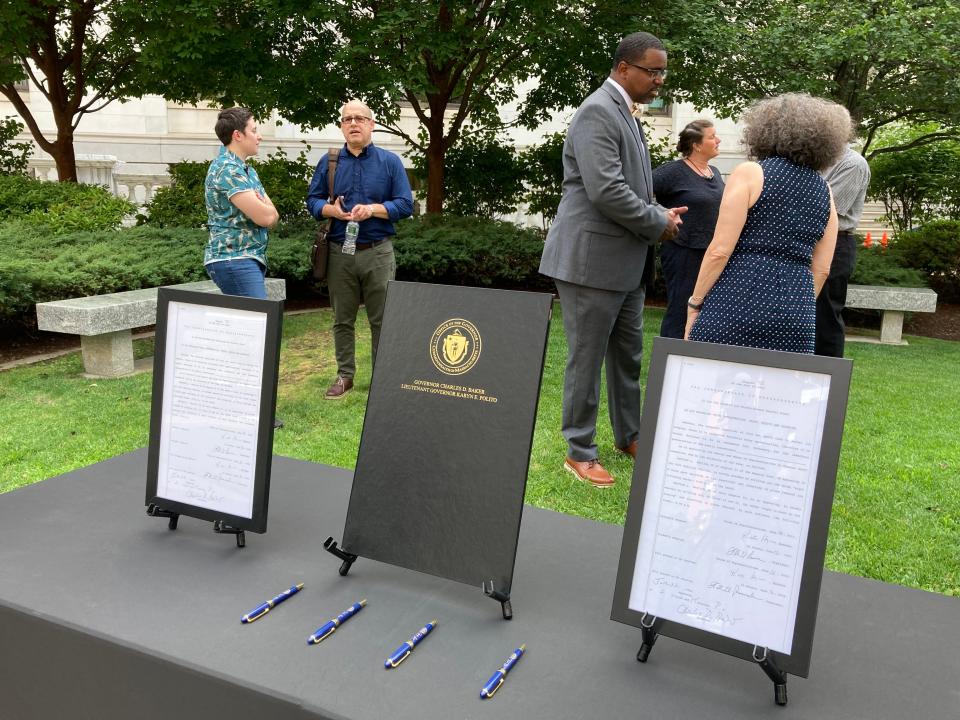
(847, 233)
(364, 245)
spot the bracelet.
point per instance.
(694, 305)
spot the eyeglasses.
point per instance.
(654, 73)
(358, 119)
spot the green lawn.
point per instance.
(896, 515)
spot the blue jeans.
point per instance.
(243, 276)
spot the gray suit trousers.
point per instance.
(601, 326)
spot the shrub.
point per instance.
(933, 249)
(182, 204)
(286, 182)
(662, 150)
(14, 156)
(877, 266)
(481, 176)
(543, 170)
(59, 208)
(37, 266)
(457, 250)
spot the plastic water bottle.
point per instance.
(350, 240)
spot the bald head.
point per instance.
(356, 124)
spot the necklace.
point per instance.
(707, 173)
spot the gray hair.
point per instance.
(806, 130)
(634, 45)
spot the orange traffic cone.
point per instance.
(883, 239)
(868, 241)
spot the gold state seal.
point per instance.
(455, 346)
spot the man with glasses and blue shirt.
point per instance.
(596, 252)
(372, 190)
(239, 212)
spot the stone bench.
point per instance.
(104, 322)
(892, 303)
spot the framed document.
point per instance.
(214, 395)
(727, 521)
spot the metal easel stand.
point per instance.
(330, 545)
(219, 526)
(503, 598)
(154, 510)
(779, 678)
(649, 626)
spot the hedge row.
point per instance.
(456, 250)
(37, 266)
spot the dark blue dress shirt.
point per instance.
(373, 176)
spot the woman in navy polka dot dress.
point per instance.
(776, 231)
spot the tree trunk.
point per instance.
(65, 157)
(436, 152)
(435, 178)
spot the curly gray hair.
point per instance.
(806, 130)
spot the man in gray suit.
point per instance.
(596, 251)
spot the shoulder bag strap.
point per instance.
(333, 155)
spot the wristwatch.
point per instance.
(694, 305)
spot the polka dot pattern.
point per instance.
(764, 296)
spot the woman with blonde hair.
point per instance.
(776, 231)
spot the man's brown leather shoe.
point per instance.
(590, 471)
(341, 386)
(630, 449)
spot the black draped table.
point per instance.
(104, 613)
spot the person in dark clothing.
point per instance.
(848, 180)
(693, 182)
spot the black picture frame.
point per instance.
(272, 316)
(797, 661)
(445, 449)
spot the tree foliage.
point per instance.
(79, 54)
(886, 61)
(919, 183)
(443, 61)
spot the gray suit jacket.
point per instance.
(607, 218)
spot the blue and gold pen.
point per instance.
(323, 632)
(259, 612)
(494, 683)
(404, 650)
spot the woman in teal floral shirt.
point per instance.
(239, 212)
